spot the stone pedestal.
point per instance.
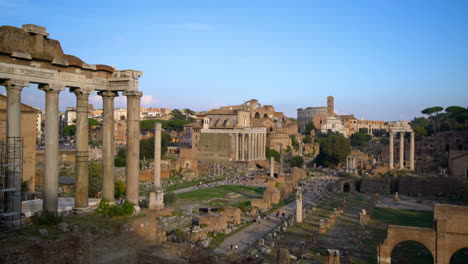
(156, 199)
(333, 256)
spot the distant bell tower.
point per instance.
(330, 106)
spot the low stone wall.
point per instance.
(375, 185)
(427, 186)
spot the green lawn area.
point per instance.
(402, 217)
(221, 191)
(186, 184)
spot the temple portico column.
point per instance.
(81, 160)
(50, 193)
(256, 146)
(402, 150)
(241, 143)
(14, 88)
(237, 146)
(390, 154)
(133, 144)
(108, 144)
(411, 151)
(249, 146)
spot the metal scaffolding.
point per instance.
(11, 175)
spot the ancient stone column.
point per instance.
(241, 146)
(81, 160)
(402, 150)
(411, 151)
(236, 149)
(272, 167)
(133, 144)
(51, 148)
(15, 176)
(390, 152)
(156, 200)
(108, 144)
(299, 206)
(250, 146)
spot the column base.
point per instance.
(156, 199)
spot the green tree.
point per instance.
(433, 112)
(93, 122)
(69, 131)
(147, 146)
(177, 115)
(309, 127)
(95, 178)
(120, 160)
(334, 148)
(188, 113)
(359, 139)
(177, 125)
(272, 153)
(379, 132)
(297, 161)
(419, 132)
(364, 130)
(307, 139)
(149, 124)
(119, 189)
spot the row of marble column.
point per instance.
(250, 146)
(402, 150)
(51, 171)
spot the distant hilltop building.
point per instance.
(324, 119)
(315, 115)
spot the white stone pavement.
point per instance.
(29, 208)
(251, 234)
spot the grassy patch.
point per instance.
(403, 217)
(186, 184)
(220, 191)
(110, 225)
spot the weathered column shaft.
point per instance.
(108, 144)
(81, 160)
(157, 155)
(51, 149)
(299, 210)
(133, 144)
(402, 150)
(411, 151)
(390, 154)
(272, 167)
(236, 149)
(14, 173)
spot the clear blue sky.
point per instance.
(381, 60)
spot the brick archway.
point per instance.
(399, 234)
(450, 234)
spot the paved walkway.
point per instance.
(251, 234)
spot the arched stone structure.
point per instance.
(449, 235)
(339, 186)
